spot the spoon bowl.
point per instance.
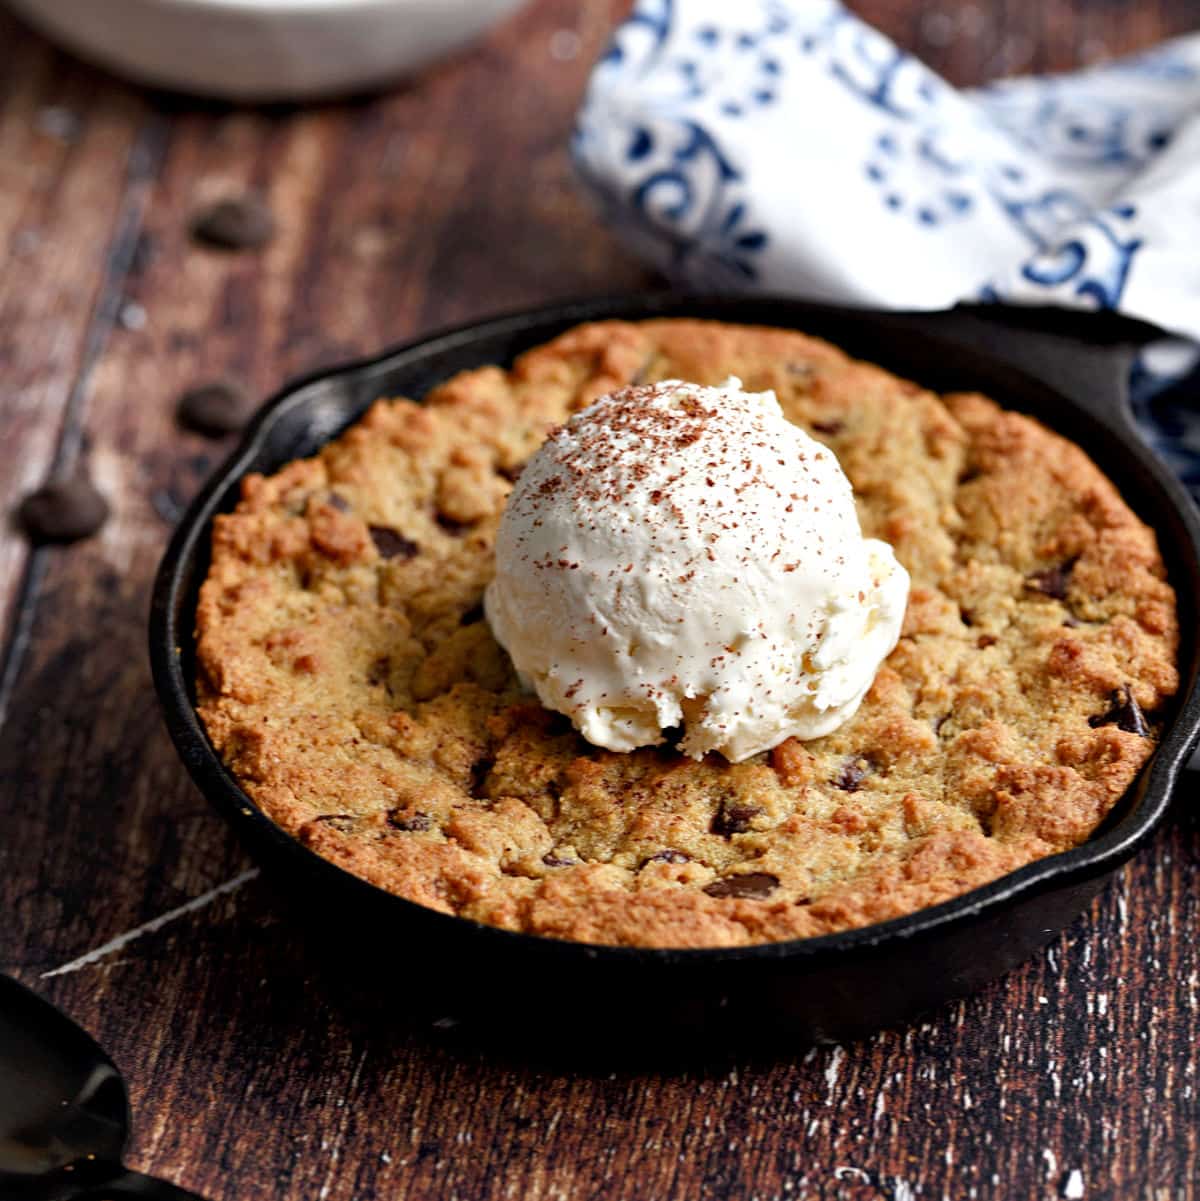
(64, 1110)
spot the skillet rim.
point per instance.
(1147, 800)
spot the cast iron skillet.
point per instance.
(1068, 369)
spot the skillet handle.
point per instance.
(1087, 356)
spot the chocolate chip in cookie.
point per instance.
(851, 775)
(343, 823)
(391, 544)
(668, 855)
(1124, 712)
(454, 528)
(754, 886)
(829, 428)
(472, 615)
(733, 818)
(1052, 581)
(410, 823)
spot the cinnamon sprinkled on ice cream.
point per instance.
(684, 556)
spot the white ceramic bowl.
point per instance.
(263, 49)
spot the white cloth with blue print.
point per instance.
(786, 146)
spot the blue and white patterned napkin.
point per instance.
(785, 146)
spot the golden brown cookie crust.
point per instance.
(348, 679)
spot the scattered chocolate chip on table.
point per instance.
(234, 223)
(217, 408)
(64, 510)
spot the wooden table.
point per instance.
(130, 904)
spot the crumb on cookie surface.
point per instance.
(348, 679)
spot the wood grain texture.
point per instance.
(255, 1070)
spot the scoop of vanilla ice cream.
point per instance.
(684, 556)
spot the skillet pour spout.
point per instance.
(1068, 369)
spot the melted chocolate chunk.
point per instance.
(64, 510)
(454, 528)
(553, 860)
(670, 855)
(472, 615)
(851, 775)
(1125, 712)
(343, 823)
(217, 408)
(513, 473)
(412, 823)
(831, 428)
(480, 770)
(1052, 581)
(671, 738)
(732, 818)
(235, 223)
(379, 671)
(749, 885)
(391, 544)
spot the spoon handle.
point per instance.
(137, 1187)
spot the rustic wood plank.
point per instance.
(255, 1070)
(65, 214)
(972, 42)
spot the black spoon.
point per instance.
(64, 1111)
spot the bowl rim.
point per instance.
(1101, 854)
(286, 8)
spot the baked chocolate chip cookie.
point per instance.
(350, 682)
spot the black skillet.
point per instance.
(1068, 369)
